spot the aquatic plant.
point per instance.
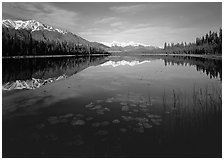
(193, 121)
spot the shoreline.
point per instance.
(218, 57)
(52, 56)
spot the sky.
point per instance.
(149, 23)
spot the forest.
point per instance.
(211, 43)
(16, 45)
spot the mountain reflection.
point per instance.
(34, 72)
(44, 68)
(123, 63)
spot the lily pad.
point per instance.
(54, 122)
(127, 118)
(109, 100)
(140, 125)
(141, 119)
(98, 101)
(133, 105)
(147, 125)
(102, 132)
(53, 118)
(67, 115)
(153, 116)
(89, 105)
(157, 116)
(144, 109)
(100, 112)
(79, 115)
(89, 118)
(116, 121)
(124, 108)
(76, 140)
(123, 103)
(143, 106)
(123, 130)
(97, 107)
(95, 124)
(156, 121)
(139, 130)
(105, 123)
(106, 109)
(78, 122)
(63, 120)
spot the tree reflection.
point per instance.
(211, 67)
(43, 68)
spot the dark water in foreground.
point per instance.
(114, 107)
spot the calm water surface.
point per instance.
(113, 107)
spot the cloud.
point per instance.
(43, 12)
(111, 21)
(106, 20)
(117, 24)
(129, 8)
(99, 32)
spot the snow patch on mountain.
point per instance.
(32, 25)
(124, 44)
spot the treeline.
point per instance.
(211, 43)
(17, 44)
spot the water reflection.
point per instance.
(123, 63)
(44, 68)
(212, 67)
(132, 109)
(32, 73)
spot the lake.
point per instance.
(116, 106)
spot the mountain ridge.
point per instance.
(123, 44)
(43, 32)
(32, 25)
(128, 47)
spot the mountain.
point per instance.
(123, 44)
(128, 47)
(45, 33)
(31, 25)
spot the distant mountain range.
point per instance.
(124, 44)
(128, 47)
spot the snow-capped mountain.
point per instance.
(123, 44)
(32, 25)
(43, 32)
(128, 47)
